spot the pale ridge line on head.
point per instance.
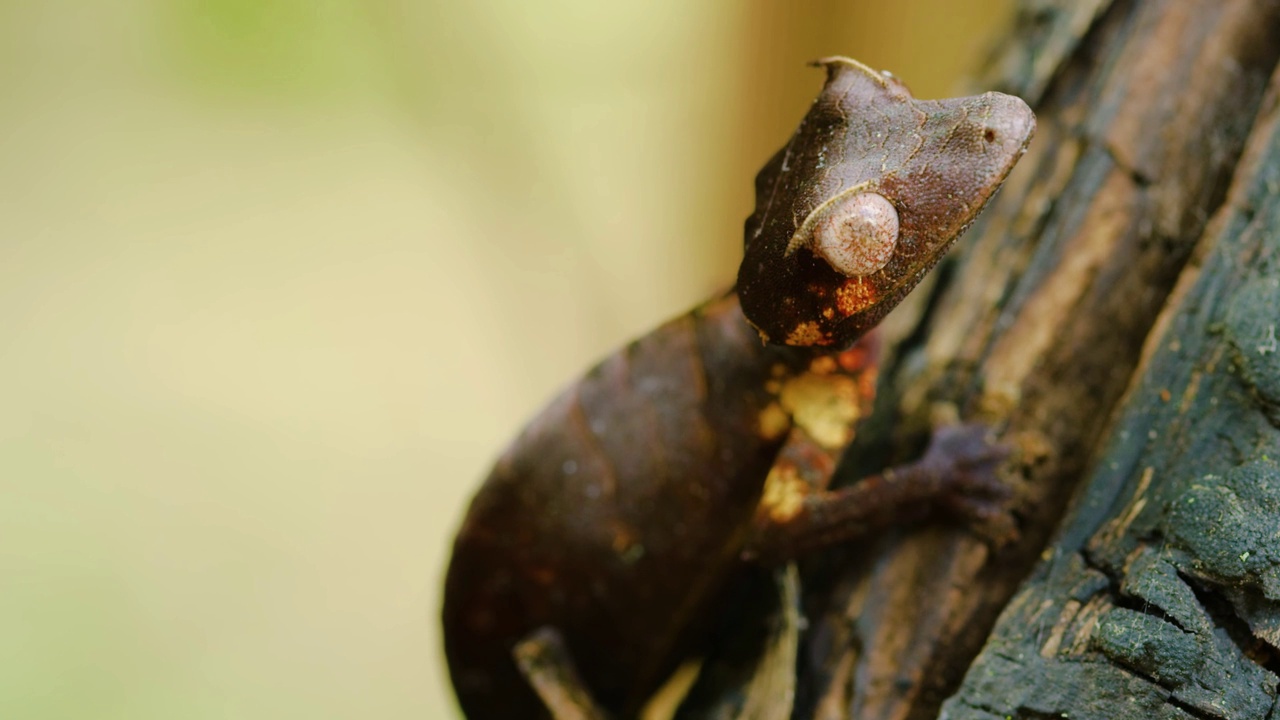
(823, 62)
(798, 237)
(870, 72)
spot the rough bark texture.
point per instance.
(1161, 597)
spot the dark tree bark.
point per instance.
(1126, 347)
(1160, 595)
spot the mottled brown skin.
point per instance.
(937, 161)
(620, 514)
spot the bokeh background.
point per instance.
(278, 279)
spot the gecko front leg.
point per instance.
(957, 477)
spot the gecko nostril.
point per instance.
(989, 135)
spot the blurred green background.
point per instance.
(278, 278)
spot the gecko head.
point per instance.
(867, 196)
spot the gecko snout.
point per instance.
(1007, 124)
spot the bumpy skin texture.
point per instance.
(621, 513)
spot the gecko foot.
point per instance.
(966, 461)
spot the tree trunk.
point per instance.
(1126, 346)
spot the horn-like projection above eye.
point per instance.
(855, 234)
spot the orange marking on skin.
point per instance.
(806, 334)
(773, 422)
(824, 406)
(784, 493)
(854, 359)
(824, 365)
(855, 295)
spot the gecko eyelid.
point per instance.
(857, 235)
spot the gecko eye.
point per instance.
(857, 236)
